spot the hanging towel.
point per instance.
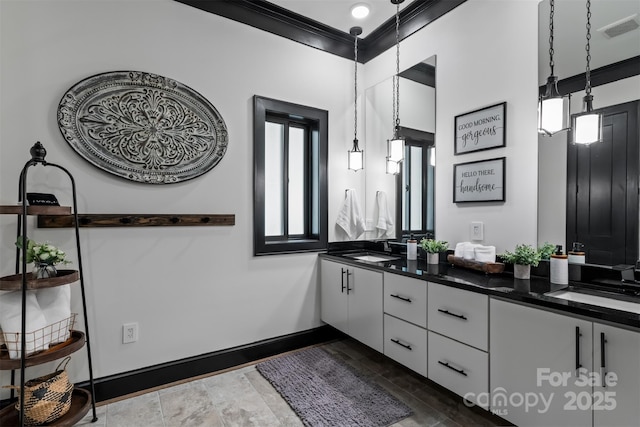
(384, 224)
(350, 217)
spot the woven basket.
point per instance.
(47, 398)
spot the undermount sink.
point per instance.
(602, 301)
(372, 257)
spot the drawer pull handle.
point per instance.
(446, 364)
(400, 298)
(459, 316)
(408, 347)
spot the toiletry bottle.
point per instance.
(412, 248)
(559, 267)
(576, 254)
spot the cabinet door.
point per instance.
(333, 297)
(617, 360)
(365, 307)
(533, 366)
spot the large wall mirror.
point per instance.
(408, 197)
(558, 212)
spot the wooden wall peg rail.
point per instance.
(135, 220)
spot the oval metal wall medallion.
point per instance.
(143, 127)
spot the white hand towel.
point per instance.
(350, 217)
(485, 253)
(11, 323)
(384, 224)
(55, 304)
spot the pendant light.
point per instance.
(553, 108)
(356, 155)
(587, 126)
(395, 145)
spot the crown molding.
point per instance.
(282, 22)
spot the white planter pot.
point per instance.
(433, 258)
(521, 271)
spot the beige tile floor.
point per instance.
(242, 397)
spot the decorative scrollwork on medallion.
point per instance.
(143, 127)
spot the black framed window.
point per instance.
(290, 177)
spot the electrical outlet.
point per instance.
(129, 333)
(477, 230)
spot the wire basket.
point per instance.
(38, 340)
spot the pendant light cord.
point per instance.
(396, 77)
(588, 49)
(551, 52)
(355, 87)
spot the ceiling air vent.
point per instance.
(620, 27)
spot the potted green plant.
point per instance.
(44, 257)
(433, 248)
(545, 251)
(522, 259)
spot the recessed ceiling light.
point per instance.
(360, 10)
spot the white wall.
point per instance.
(552, 175)
(192, 290)
(486, 53)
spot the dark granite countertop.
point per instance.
(501, 285)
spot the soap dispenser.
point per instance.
(412, 248)
(559, 267)
(576, 254)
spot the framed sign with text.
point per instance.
(481, 129)
(480, 181)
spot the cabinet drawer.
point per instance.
(459, 314)
(406, 298)
(462, 369)
(406, 343)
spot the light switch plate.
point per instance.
(477, 230)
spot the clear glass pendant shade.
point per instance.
(553, 110)
(395, 149)
(356, 157)
(587, 128)
(393, 168)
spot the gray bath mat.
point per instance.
(326, 392)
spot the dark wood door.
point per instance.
(602, 190)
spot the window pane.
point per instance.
(430, 187)
(315, 183)
(416, 188)
(296, 180)
(273, 179)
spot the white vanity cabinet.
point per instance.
(616, 360)
(405, 321)
(534, 356)
(458, 323)
(351, 301)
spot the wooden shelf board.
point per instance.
(73, 344)
(14, 282)
(136, 220)
(80, 405)
(35, 210)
